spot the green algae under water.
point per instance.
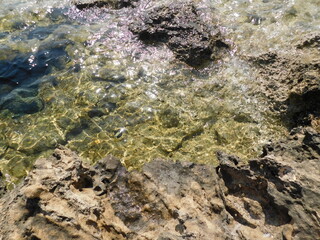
(86, 82)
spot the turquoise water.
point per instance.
(83, 80)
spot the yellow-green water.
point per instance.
(107, 93)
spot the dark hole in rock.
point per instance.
(3, 188)
(149, 38)
(84, 182)
(180, 228)
(221, 44)
(108, 175)
(97, 189)
(34, 238)
(92, 223)
(312, 42)
(33, 207)
(82, 6)
(273, 174)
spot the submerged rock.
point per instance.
(275, 197)
(178, 25)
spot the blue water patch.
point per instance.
(34, 32)
(20, 79)
(3, 34)
(41, 33)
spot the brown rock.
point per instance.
(275, 197)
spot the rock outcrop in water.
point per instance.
(179, 26)
(275, 197)
(292, 81)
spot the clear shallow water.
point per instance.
(81, 79)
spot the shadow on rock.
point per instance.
(247, 198)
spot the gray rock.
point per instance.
(178, 25)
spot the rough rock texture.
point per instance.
(271, 198)
(284, 184)
(292, 81)
(63, 199)
(179, 26)
(114, 4)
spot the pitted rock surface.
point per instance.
(274, 197)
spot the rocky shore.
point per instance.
(275, 196)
